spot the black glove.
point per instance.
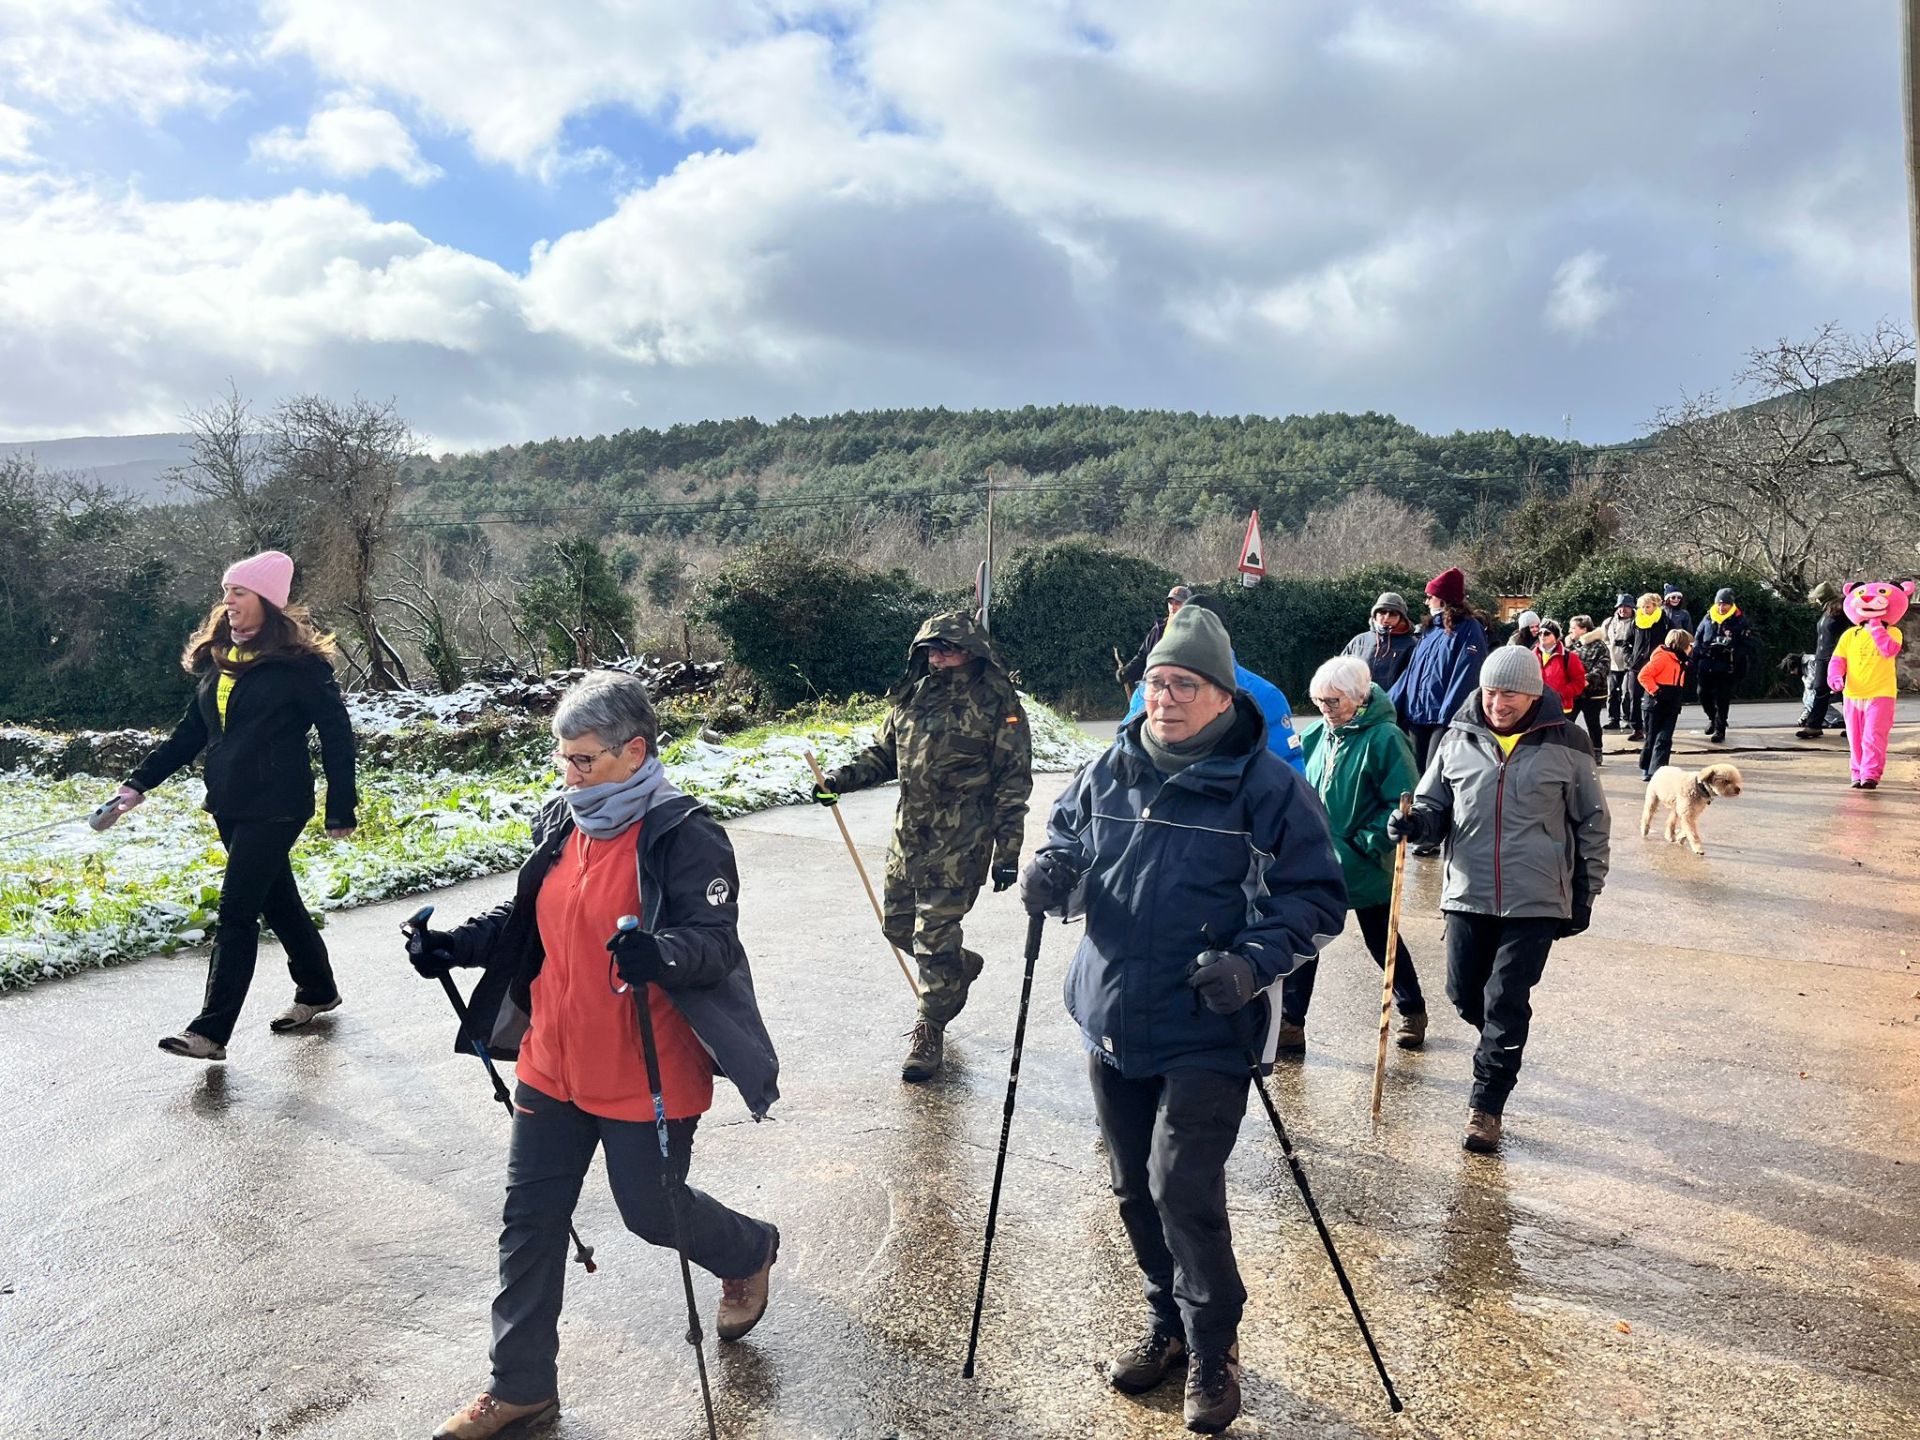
(822, 795)
(636, 955)
(1224, 980)
(1581, 918)
(1417, 826)
(431, 952)
(1047, 882)
(1004, 874)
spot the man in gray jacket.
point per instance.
(1618, 629)
(1512, 795)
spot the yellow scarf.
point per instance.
(1646, 621)
(1720, 614)
(224, 687)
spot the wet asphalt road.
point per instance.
(1706, 1222)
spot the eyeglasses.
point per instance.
(579, 762)
(1182, 690)
(1330, 702)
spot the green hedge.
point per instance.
(1780, 626)
(808, 626)
(1061, 610)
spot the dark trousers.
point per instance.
(553, 1143)
(1492, 966)
(1589, 708)
(1620, 691)
(1424, 738)
(1296, 990)
(1716, 698)
(1816, 716)
(1168, 1138)
(1637, 712)
(259, 882)
(1663, 714)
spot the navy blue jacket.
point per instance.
(1237, 843)
(1443, 673)
(690, 894)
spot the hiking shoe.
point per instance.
(1290, 1039)
(1612, 725)
(193, 1045)
(1213, 1390)
(1717, 738)
(923, 1052)
(1869, 784)
(1141, 1366)
(484, 1417)
(1807, 733)
(1634, 737)
(1426, 852)
(1483, 1132)
(744, 1301)
(298, 1014)
(1413, 1030)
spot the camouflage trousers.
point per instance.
(925, 921)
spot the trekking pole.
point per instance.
(99, 818)
(820, 778)
(414, 928)
(627, 925)
(1393, 955)
(1034, 926)
(1306, 1194)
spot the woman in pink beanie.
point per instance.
(264, 679)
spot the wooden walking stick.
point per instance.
(1393, 951)
(820, 779)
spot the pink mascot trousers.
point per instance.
(1869, 722)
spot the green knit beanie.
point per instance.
(1196, 640)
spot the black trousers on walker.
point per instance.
(259, 883)
(1296, 990)
(1493, 963)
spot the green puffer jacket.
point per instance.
(1360, 771)
(957, 741)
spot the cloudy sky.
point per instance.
(520, 220)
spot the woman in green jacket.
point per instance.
(1359, 763)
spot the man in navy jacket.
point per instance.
(1204, 869)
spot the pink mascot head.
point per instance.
(1870, 600)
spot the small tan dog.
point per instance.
(1687, 793)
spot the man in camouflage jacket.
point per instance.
(957, 740)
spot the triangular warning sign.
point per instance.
(1252, 551)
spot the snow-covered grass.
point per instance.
(71, 899)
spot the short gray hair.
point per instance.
(1344, 675)
(611, 704)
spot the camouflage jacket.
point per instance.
(958, 743)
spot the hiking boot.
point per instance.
(484, 1417)
(1807, 732)
(1413, 1030)
(1213, 1390)
(923, 1052)
(1426, 852)
(299, 1014)
(744, 1301)
(1483, 1132)
(1612, 725)
(1869, 784)
(1719, 737)
(1290, 1039)
(193, 1045)
(1141, 1366)
(1636, 736)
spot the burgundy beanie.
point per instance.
(268, 574)
(1449, 587)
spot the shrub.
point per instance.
(1061, 610)
(1284, 628)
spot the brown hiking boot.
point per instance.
(923, 1052)
(1483, 1132)
(1143, 1364)
(485, 1417)
(1413, 1030)
(744, 1301)
(1290, 1039)
(1213, 1390)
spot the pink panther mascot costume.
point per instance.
(1863, 670)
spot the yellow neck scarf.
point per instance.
(1720, 614)
(1646, 621)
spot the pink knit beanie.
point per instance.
(268, 574)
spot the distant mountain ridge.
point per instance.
(136, 464)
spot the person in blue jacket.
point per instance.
(1205, 871)
(1444, 670)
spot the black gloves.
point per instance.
(1581, 918)
(431, 952)
(1417, 827)
(636, 955)
(1047, 882)
(1005, 873)
(1223, 979)
(822, 795)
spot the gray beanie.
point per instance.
(1528, 617)
(1196, 640)
(1391, 600)
(1724, 597)
(1512, 667)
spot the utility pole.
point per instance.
(1909, 105)
(986, 574)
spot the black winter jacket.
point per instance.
(257, 766)
(1722, 649)
(690, 904)
(1135, 670)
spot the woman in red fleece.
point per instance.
(1563, 671)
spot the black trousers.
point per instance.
(1424, 738)
(1816, 717)
(259, 882)
(1296, 990)
(1621, 687)
(1716, 698)
(1589, 707)
(1493, 963)
(1168, 1138)
(1663, 715)
(553, 1144)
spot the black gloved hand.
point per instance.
(1047, 882)
(1581, 918)
(1224, 980)
(1005, 873)
(1416, 827)
(431, 952)
(636, 955)
(822, 795)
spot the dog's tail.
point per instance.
(1647, 807)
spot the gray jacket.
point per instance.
(1526, 833)
(1619, 635)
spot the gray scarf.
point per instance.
(1172, 759)
(604, 811)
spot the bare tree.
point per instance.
(229, 464)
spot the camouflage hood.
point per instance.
(956, 627)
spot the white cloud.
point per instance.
(81, 55)
(347, 139)
(1580, 297)
(16, 136)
